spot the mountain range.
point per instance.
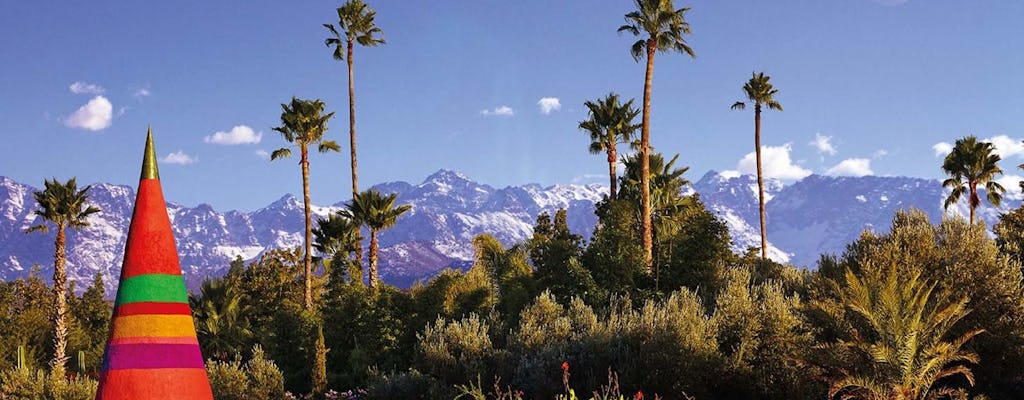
(806, 218)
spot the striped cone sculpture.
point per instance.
(152, 351)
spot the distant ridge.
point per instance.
(818, 214)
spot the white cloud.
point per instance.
(141, 92)
(549, 104)
(501, 111)
(1006, 146)
(121, 111)
(1011, 183)
(178, 157)
(851, 167)
(86, 88)
(240, 134)
(94, 115)
(942, 149)
(823, 144)
(263, 154)
(880, 153)
(776, 163)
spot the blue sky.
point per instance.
(868, 86)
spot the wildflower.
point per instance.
(639, 395)
(565, 366)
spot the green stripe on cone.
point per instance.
(152, 287)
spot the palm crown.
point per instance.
(355, 19)
(972, 163)
(664, 25)
(760, 92)
(304, 123)
(610, 123)
(63, 205)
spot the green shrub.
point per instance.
(456, 351)
(407, 385)
(258, 379)
(26, 384)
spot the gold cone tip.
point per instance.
(149, 168)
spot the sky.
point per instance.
(495, 90)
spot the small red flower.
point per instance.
(565, 365)
(639, 395)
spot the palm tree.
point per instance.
(304, 123)
(337, 237)
(377, 212)
(222, 322)
(355, 19)
(610, 123)
(903, 329)
(760, 92)
(63, 205)
(664, 26)
(972, 163)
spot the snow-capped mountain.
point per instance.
(812, 216)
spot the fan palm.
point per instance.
(664, 26)
(303, 123)
(355, 21)
(222, 324)
(377, 212)
(972, 163)
(760, 92)
(905, 333)
(62, 205)
(609, 124)
(337, 236)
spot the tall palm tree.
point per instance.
(377, 212)
(63, 205)
(972, 163)
(761, 93)
(610, 123)
(904, 331)
(303, 123)
(664, 26)
(355, 20)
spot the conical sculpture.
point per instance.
(152, 351)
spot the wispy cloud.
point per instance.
(851, 167)
(240, 134)
(179, 157)
(262, 154)
(942, 148)
(86, 88)
(141, 92)
(500, 111)
(880, 153)
(589, 178)
(776, 162)
(95, 115)
(823, 144)
(549, 104)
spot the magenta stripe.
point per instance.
(152, 356)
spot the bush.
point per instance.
(257, 379)
(407, 385)
(456, 351)
(26, 384)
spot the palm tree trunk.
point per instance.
(645, 166)
(760, 179)
(60, 307)
(307, 262)
(974, 200)
(373, 259)
(611, 170)
(352, 146)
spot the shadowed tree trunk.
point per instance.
(760, 180)
(60, 304)
(645, 165)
